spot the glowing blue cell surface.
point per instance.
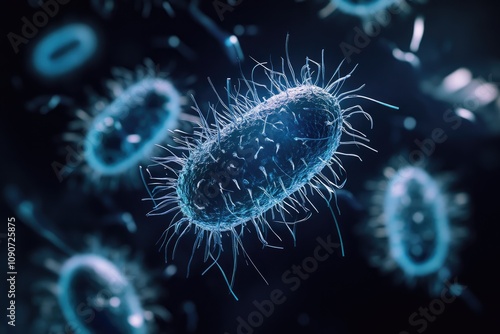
(129, 127)
(261, 158)
(414, 228)
(64, 50)
(115, 307)
(263, 155)
(417, 222)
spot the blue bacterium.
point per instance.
(144, 111)
(118, 303)
(363, 8)
(372, 13)
(263, 154)
(413, 227)
(98, 290)
(417, 223)
(103, 285)
(64, 50)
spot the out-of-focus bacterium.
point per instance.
(64, 50)
(263, 154)
(86, 275)
(413, 226)
(372, 13)
(362, 8)
(143, 111)
(417, 224)
(99, 290)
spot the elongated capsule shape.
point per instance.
(110, 302)
(261, 158)
(417, 223)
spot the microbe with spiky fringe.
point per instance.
(263, 154)
(117, 134)
(416, 229)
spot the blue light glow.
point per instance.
(65, 50)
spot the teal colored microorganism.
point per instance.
(266, 153)
(116, 305)
(374, 14)
(64, 50)
(417, 224)
(413, 227)
(119, 133)
(95, 290)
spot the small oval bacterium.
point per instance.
(417, 224)
(97, 290)
(374, 14)
(412, 226)
(135, 121)
(263, 154)
(116, 305)
(143, 112)
(64, 50)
